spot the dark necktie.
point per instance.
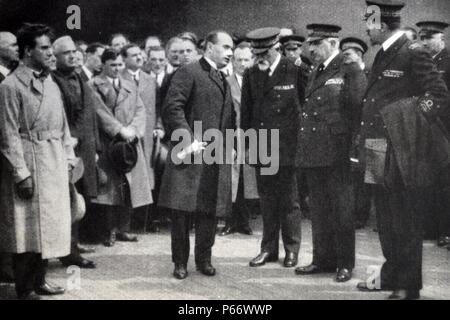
(320, 68)
(41, 76)
(136, 79)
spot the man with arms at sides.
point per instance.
(401, 71)
(329, 120)
(121, 191)
(245, 191)
(271, 93)
(198, 91)
(37, 155)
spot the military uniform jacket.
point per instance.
(442, 61)
(330, 114)
(274, 103)
(402, 71)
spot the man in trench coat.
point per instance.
(118, 192)
(37, 153)
(197, 92)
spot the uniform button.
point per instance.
(306, 99)
(278, 96)
(380, 77)
(305, 115)
(365, 100)
(302, 129)
(362, 123)
(262, 123)
(278, 110)
(371, 124)
(318, 98)
(315, 114)
(313, 129)
(373, 100)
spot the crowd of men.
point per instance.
(83, 129)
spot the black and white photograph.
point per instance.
(241, 152)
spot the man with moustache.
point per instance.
(271, 93)
(198, 91)
(432, 36)
(329, 121)
(353, 50)
(9, 58)
(403, 146)
(37, 156)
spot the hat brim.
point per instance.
(260, 50)
(312, 39)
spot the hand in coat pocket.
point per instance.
(25, 189)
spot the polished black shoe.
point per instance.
(343, 275)
(290, 260)
(6, 278)
(47, 290)
(443, 241)
(313, 269)
(83, 249)
(126, 237)
(207, 269)
(226, 231)
(111, 240)
(365, 287)
(246, 230)
(262, 258)
(180, 271)
(405, 295)
(79, 261)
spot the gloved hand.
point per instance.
(25, 188)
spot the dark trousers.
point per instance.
(363, 197)
(400, 213)
(242, 208)
(118, 219)
(278, 199)
(205, 233)
(333, 232)
(29, 271)
(303, 193)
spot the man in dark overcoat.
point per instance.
(198, 93)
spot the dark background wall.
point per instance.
(139, 18)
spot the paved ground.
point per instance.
(143, 271)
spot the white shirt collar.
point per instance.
(5, 71)
(274, 64)
(212, 63)
(88, 72)
(239, 79)
(362, 66)
(170, 68)
(331, 58)
(113, 81)
(389, 42)
(134, 74)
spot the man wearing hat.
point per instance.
(432, 36)
(400, 73)
(329, 120)
(271, 93)
(353, 50)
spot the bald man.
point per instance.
(9, 57)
